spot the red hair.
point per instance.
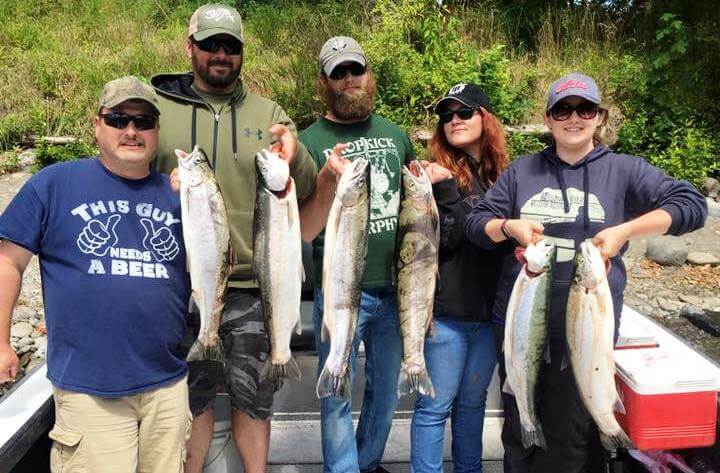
(493, 153)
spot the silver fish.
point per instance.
(417, 268)
(207, 242)
(277, 260)
(344, 255)
(525, 343)
(590, 326)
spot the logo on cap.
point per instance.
(571, 84)
(339, 45)
(456, 89)
(219, 14)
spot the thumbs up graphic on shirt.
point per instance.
(97, 237)
(160, 241)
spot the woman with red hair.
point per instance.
(469, 153)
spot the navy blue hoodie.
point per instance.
(575, 202)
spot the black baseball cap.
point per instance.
(470, 95)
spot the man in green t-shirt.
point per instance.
(349, 130)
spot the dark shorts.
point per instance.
(246, 345)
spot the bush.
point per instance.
(47, 154)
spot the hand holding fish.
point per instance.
(175, 180)
(610, 240)
(435, 172)
(286, 145)
(524, 231)
(335, 163)
(9, 363)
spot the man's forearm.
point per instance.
(10, 282)
(315, 209)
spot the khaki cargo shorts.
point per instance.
(143, 433)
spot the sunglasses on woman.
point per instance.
(122, 120)
(231, 46)
(563, 110)
(354, 68)
(463, 113)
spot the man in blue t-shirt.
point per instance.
(108, 234)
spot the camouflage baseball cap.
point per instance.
(213, 19)
(340, 49)
(125, 88)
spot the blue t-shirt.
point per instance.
(114, 280)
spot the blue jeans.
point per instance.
(460, 358)
(345, 451)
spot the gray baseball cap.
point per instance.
(213, 19)
(126, 88)
(339, 49)
(575, 84)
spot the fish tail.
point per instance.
(419, 383)
(331, 385)
(198, 351)
(617, 440)
(533, 437)
(276, 373)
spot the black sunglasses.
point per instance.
(354, 68)
(563, 110)
(464, 113)
(122, 120)
(231, 46)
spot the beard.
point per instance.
(214, 79)
(351, 107)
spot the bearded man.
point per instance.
(212, 108)
(350, 130)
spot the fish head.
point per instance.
(191, 166)
(354, 184)
(539, 256)
(416, 182)
(590, 266)
(272, 171)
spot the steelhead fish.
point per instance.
(207, 242)
(277, 259)
(344, 256)
(417, 269)
(590, 326)
(525, 344)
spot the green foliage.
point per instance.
(691, 154)
(47, 154)
(10, 161)
(519, 144)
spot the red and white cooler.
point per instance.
(670, 397)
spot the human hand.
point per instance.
(174, 180)
(524, 231)
(335, 164)
(9, 363)
(97, 237)
(610, 240)
(435, 172)
(161, 241)
(286, 145)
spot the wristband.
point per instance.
(503, 229)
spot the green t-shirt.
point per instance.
(387, 147)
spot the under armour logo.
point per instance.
(339, 45)
(219, 14)
(456, 89)
(248, 132)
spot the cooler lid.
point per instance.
(633, 333)
(665, 370)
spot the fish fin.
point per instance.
(618, 406)
(564, 362)
(329, 385)
(298, 326)
(546, 355)
(430, 329)
(276, 373)
(324, 332)
(198, 351)
(533, 437)
(192, 306)
(415, 383)
(619, 440)
(507, 389)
